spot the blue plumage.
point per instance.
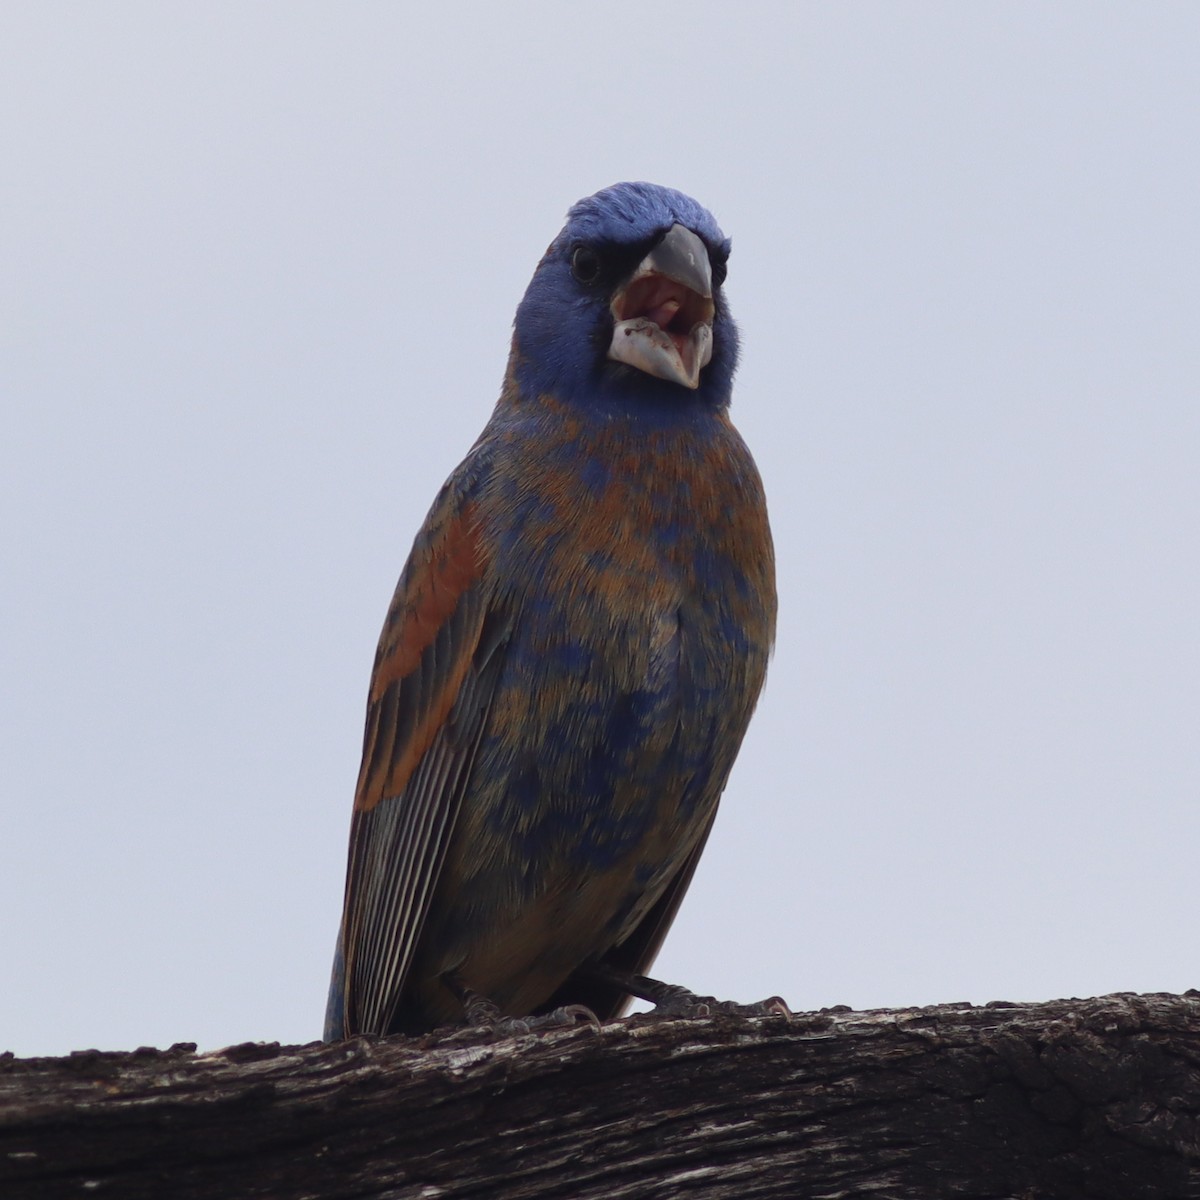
(563, 329)
(574, 649)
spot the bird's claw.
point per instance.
(568, 1014)
(481, 1012)
(484, 1014)
(680, 1002)
(674, 1000)
(772, 1006)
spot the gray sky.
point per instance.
(259, 264)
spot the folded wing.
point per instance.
(432, 685)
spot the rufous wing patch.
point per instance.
(424, 655)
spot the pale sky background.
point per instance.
(258, 265)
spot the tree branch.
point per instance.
(1080, 1098)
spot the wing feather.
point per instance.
(431, 689)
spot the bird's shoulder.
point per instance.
(434, 633)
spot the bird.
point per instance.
(572, 654)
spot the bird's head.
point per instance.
(626, 307)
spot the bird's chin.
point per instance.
(676, 357)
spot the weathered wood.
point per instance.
(1093, 1098)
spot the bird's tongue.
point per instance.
(657, 299)
(663, 314)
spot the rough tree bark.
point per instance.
(1092, 1098)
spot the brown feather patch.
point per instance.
(406, 666)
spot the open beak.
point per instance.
(663, 312)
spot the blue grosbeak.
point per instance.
(573, 651)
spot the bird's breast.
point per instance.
(640, 565)
(637, 566)
(634, 514)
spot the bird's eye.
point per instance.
(585, 264)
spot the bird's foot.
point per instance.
(676, 1001)
(672, 1000)
(485, 1014)
(556, 1018)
